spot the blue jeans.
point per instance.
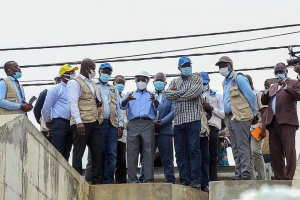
(62, 136)
(109, 144)
(204, 146)
(187, 151)
(165, 146)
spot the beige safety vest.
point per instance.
(11, 95)
(240, 107)
(87, 103)
(112, 99)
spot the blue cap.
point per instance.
(184, 60)
(106, 65)
(205, 77)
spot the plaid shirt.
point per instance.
(187, 98)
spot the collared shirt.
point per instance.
(244, 87)
(7, 104)
(74, 92)
(105, 98)
(56, 104)
(125, 113)
(259, 106)
(142, 106)
(187, 98)
(274, 98)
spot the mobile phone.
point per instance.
(273, 80)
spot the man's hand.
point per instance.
(26, 107)
(206, 105)
(49, 134)
(267, 84)
(255, 120)
(48, 124)
(129, 98)
(297, 69)
(282, 83)
(158, 126)
(120, 132)
(262, 133)
(152, 97)
(80, 129)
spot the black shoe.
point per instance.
(205, 189)
(184, 183)
(195, 186)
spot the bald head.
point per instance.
(280, 68)
(160, 76)
(87, 63)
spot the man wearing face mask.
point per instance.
(120, 172)
(111, 124)
(282, 121)
(163, 128)
(37, 110)
(84, 98)
(12, 97)
(142, 106)
(56, 112)
(240, 107)
(213, 102)
(186, 91)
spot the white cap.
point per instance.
(142, 73)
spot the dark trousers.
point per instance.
(282, 145)
(93, 140)
(120, 173)
(62, 136)
(204, 146)
(214, 145)
(45, 134)
(187, 151)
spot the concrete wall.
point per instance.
(146, 191)
(30, 167)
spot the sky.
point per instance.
(39, 23)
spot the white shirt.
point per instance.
(74, 92)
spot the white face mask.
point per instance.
(141, 85)
(92, 74)
(224, 71)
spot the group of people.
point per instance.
(188, 115)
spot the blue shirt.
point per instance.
(244, 87)
(7, 104)
(105, 99)
(142, 106)
(56, 103)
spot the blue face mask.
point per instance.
(17, 75)
(120, 87)
(104, 78)
(159, 86)
(186, 71)
(282, 76)
(205, 88)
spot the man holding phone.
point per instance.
(282, 121)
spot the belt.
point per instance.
(106, 120)
(143, 118)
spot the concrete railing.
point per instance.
(31, 168)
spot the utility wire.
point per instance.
(163, 57)
(200, 47)
(148, 39)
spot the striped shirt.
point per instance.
(188, 97)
